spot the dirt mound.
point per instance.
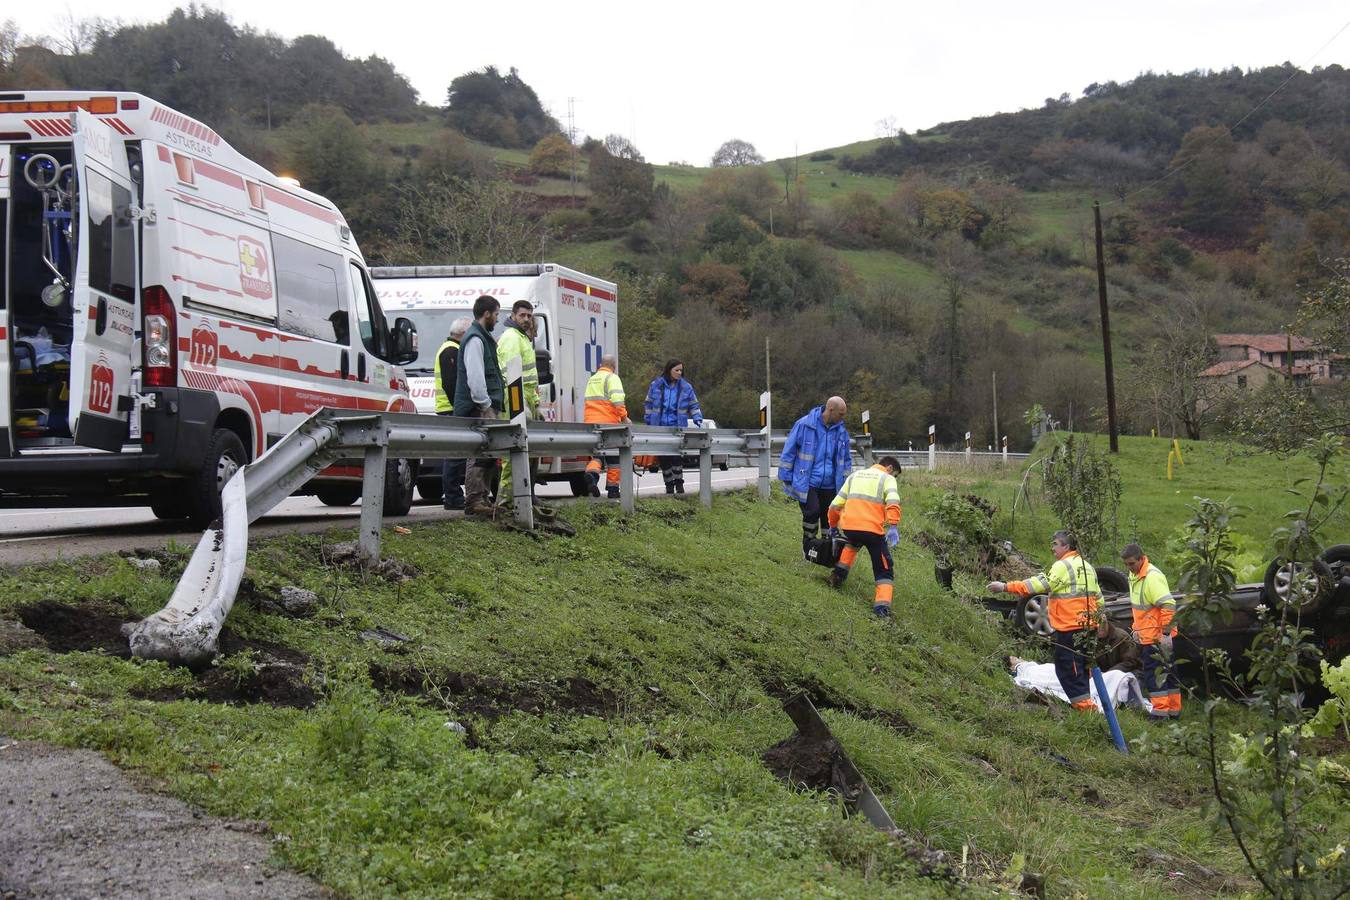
(88, 626)
(492, 698)
(810, 764)
(347, 554)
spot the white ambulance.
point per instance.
(170, 309)
(578, 322)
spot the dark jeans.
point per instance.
(815, 514)
(480, 475)
(672, 471)
(1071, 668)
(452, 479)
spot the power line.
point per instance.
(1298, 70)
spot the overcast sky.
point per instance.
(681, 77)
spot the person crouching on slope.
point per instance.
(867, 511)
(1071, 586)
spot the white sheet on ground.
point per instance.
(1123, 687)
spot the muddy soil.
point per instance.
(72, 825)
(279, 675)
(809, 764)
(492, 698)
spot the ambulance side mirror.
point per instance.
(544, 365)
(404, 338)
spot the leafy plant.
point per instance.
(1082, 486)
(962, 531)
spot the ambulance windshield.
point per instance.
(433, 327)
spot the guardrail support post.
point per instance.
(932, 447)
(522, 491)
(1005, 449)
(372, 501)
(705, 476)
(627, 483)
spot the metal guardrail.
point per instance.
(187, 628)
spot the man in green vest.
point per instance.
(516, 342)
(447, 360)
(479, 393)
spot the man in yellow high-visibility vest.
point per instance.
(1153, 607)
(516, 343)
(447, 357)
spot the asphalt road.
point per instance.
(39, 535)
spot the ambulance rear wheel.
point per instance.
(400, 476)
(225, 455)
(430, 488)
(577, 482)
(169, 506)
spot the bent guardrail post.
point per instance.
(864, 442)
(372, 496)
(187, 629)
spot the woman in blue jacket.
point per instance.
(671, 402)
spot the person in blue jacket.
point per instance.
(815, 461)
(671, 402)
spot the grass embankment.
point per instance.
(618, 689)
(1153, 510)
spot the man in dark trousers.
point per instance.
(479, 393)
(815, 463)
(447, 359)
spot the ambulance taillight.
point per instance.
(161, 344)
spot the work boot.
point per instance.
(679, 486)
(834, 579)
(882, 611)
(612, 493)
(454, 503)
(480, 508)
(593, 483)
(670, 487)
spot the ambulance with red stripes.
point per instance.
(577, 319)
(169, 309)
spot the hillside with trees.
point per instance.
(915, 274)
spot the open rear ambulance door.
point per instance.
(6, 373)
(105, 289)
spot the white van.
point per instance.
(170, 309)
(578, 319)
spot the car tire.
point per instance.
(225, 455)
(430, 489)
(1112, 580)
(1279, 576)
(1337, 558)
(400, 476)
(724, 465)
(577, 482)
(1032, 616)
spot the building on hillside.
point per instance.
(1242, 374)
(1294, 358)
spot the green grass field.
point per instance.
(619, 688)
(877, 266)
(1153, 509)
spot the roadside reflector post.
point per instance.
(1005, 448)
(865, 441)
(765, 452)
(932, 448)
(1169, 465)
(1176, 445)
(967, 446)
(372, 497)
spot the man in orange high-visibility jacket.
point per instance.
(605, 404)
(867, 511)
(1071, 586)
(1153, 607)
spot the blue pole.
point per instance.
(1109, 707)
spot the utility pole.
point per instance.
(995, 409)
(572, 141)
(1106, 333)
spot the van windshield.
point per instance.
(433, 327)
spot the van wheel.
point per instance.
(577, 482)
(338, 494)
(225, 455)
(399, 478)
